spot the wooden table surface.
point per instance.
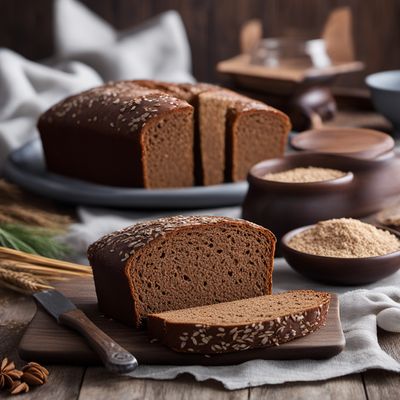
(67, 382)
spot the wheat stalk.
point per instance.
(27, 273)
(22, 282)
(39, 270)
(15, 255)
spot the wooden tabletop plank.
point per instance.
(383, 384)
(101, 385)
(16, 311)
(349, 387)
(66, 382)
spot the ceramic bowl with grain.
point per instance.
(367, 187)
(337, 270)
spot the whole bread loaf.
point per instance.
(243, 324)
(156, 134)
(179, 262)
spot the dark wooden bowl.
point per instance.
(339, 271)
(282, 207)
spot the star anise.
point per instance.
(8, 373)
(34, 374)
(19, 387)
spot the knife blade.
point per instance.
(114, 357)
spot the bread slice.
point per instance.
(180, 262)
(255, 132)
(213, 107)
(243, 324)
(121, 134)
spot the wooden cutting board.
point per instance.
(47, 342)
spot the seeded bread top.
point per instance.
(123, 243)
(117, 107)
(184, 91)
(242, 103)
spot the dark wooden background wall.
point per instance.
(213, 25)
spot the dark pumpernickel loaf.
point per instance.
(121, 134)
(180, 262)
(154, 134)
(243, 324)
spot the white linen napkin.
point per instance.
(27, 89)
(359, 308)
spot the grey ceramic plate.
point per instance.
(26, 168)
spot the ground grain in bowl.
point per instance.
(305, 175)
(345, 238)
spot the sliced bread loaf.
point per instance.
(180, 262)
(243, 324)
(232, 132)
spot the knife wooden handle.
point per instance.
(115, 358)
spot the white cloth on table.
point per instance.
(88, 52)
(359, 307)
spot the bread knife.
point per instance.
(114, 357)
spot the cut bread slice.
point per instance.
(243, 324)
(255, 132)
(213, 107)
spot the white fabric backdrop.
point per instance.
(88, 52)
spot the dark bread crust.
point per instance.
(112, 258)
(217, 338)
(102, 131)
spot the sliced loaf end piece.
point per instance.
(212, 111)
(255, 132)
(243, 324)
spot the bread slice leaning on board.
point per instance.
(243, 324)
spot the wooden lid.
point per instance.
(356, 142)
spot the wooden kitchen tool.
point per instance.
(115, 358)
(46, 341)
(303, 92)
